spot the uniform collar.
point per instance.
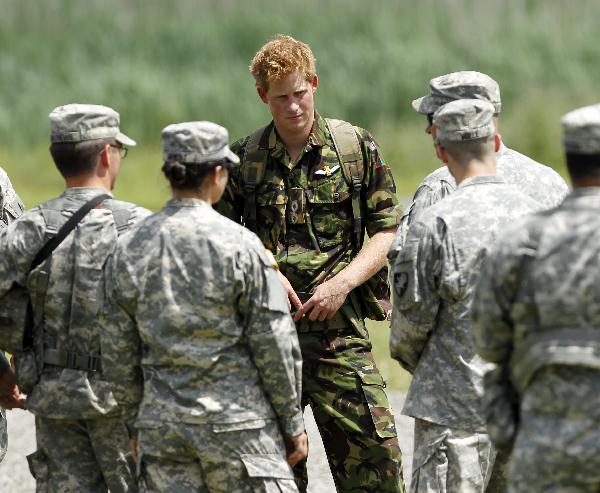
(318, 137)
(587, 195)
(85, 192)
(478, 180)
(187, 202)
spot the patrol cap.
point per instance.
(581, 130)
(466, 84)
(464, 119)
(80, 122)
(197, 142)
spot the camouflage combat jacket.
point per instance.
(66, 294)
(304, 210)
(433, 285)
(197, 305)
(537, 314)
(537, 181)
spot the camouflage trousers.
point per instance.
(3, 434)
(241, 457)
(82, 456)
(450, 460)
(498, 482)
(346, 393)
(555, 455)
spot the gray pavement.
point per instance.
(15, 476)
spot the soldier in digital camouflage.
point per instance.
(535, 180)
(537, 318)
(201, 349)
(310, 187)
(11, 207)
(433, 281)
(82, 442)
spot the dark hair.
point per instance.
(189, 176)
(77, 158)
(469, 149)
(583, 165)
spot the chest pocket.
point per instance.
(270, 213)
(330, 208)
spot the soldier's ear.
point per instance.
(262, 94)
(314, 83)
(497, 142)
(104, 157)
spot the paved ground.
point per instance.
(15, 477)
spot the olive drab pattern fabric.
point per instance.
(304, 216)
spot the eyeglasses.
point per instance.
(430, 118)
(122, 150)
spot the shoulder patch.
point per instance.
(400, 283)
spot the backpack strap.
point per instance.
(347, 146)
(51, 244)
(253, 165)
(121, 215)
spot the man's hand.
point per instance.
(325, 301)
(296, 448)
(292, 297)
(10, 395)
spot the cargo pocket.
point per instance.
(38, 466)
(430, 468)
(269, 473)
(330, 209)
(372, 385)
(270, 214)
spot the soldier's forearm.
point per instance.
(369, 260)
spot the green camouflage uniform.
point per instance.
(11, 207)
(340, 379)
(82, 441)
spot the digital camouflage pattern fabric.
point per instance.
(199, 334)
(304, 216)
(245, 459)
(463, 120)
(581, 130)
(66, 292)
(434, 278)
(92, 455)
(11, 207)
(465, 84)
(449, 459)
(539, 182)
(536, 316)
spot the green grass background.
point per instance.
(164, 61)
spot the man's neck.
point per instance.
(295, 142)
(461, 172)
(201, 194)
(587, 182)
(87, 182)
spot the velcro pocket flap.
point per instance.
(267, 466)
(254, 424)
